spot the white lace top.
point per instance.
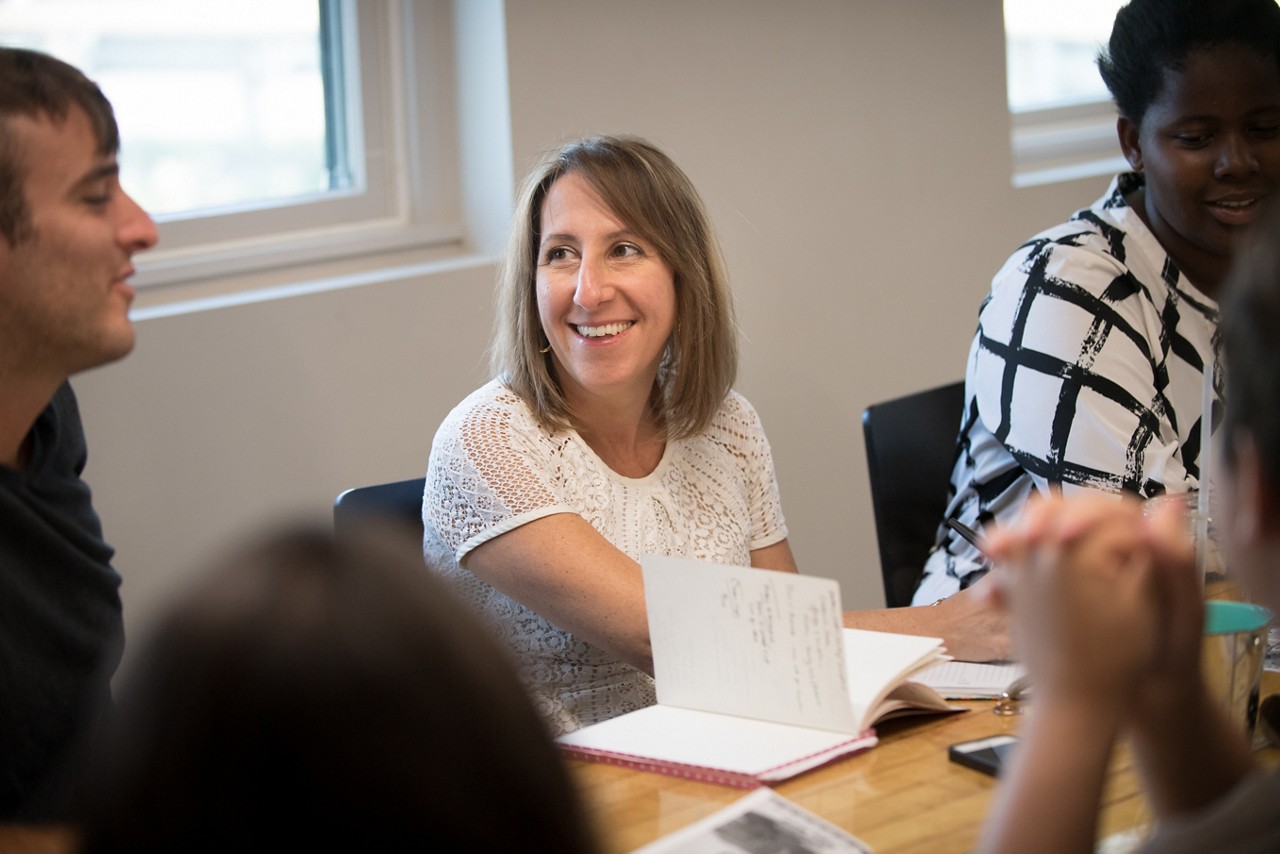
(492, 469)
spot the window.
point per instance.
(267, 134)
(214, 113)
(1063, 122)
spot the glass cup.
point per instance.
(1204, 535)
(1231, 656)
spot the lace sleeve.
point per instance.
(739, 427)
(488, 471)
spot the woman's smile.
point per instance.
(1237, 209)
(607, 330)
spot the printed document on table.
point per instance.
(761, 821)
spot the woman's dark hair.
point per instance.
(321, 693)
(1150, 37)
(1251, 349)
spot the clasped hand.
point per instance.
(1103, 600)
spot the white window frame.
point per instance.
(399, 96)
(1065, 143)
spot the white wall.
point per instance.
(854, 154)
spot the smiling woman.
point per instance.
(1088, 367)
(611, 431)
(1209, 147)
(606, 300)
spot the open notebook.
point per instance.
(757, 680)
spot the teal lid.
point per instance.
(1222, 617)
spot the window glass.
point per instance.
(269, 136)
(221, 105)
(1050, 50)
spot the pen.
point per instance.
(970, 536)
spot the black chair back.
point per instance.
(911, 447)
(399, 502)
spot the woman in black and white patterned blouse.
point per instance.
(1087, 368)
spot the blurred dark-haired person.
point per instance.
(1086, 372)
(310, 692)
(67, 234)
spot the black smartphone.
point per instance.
(987, 755)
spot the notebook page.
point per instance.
(878, 661)
(747, 642)
(746, 746)
(968, 679)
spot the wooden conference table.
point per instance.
(902, 795)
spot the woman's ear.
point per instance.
(1130, 144)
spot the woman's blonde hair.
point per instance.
(647, 191)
